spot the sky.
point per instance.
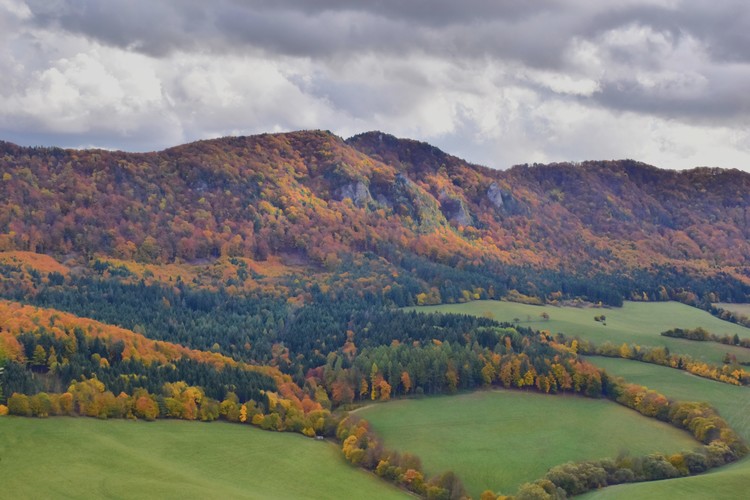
(498, 82)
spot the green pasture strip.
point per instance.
(732, 402)
(743, 309)
(633, 323)
(88, 458)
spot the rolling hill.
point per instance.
(606, 230)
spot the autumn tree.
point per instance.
(406, 381)
(39, 359)
(145, 407)
(18, 404)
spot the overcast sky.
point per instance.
(496, 82)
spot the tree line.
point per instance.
(731, 372)
(702, 335)
(721, 446)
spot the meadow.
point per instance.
(500, 439)
(634, 323)
(88, 458)
(731, 482)
(732, 402)
(743, 309)
(642, 323)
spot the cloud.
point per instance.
(316, 28)
(496, 82)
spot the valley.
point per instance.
(327, 250)
(269, 285)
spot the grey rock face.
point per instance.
(454, 210)
(504, 202)
(495, 194)
(357, 192)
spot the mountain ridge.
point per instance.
(322, 198)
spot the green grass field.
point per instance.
(500, 439)
(743, 309)
(733, 403)
(87, 458)
(635, 322)
(731, 482)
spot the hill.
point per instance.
(605, 230)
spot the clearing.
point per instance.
(500, 439)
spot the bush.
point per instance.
(719, 454)
(657, 467)
(577, 478)
(18, 404)
(696, 462)
(532, 491)
(621, 476)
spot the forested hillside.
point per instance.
(203, 263)
(379, 206)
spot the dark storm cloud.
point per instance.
(535, 34)
(304, 28)
(531, 77)
(434, 12)
(723, 28)
(153, 27)
(722, 101)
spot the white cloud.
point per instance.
(502, 85)
(95, 89)
(19, 10)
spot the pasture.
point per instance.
(500, 439)
(731, 482)
(742, 309)
(633, 323)
(642, 323)
(732, 402)
(88, 458)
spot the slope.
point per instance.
(124, 459)
(314, 200)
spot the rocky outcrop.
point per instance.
(454, 209)
(355, 191)
(503, 200)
